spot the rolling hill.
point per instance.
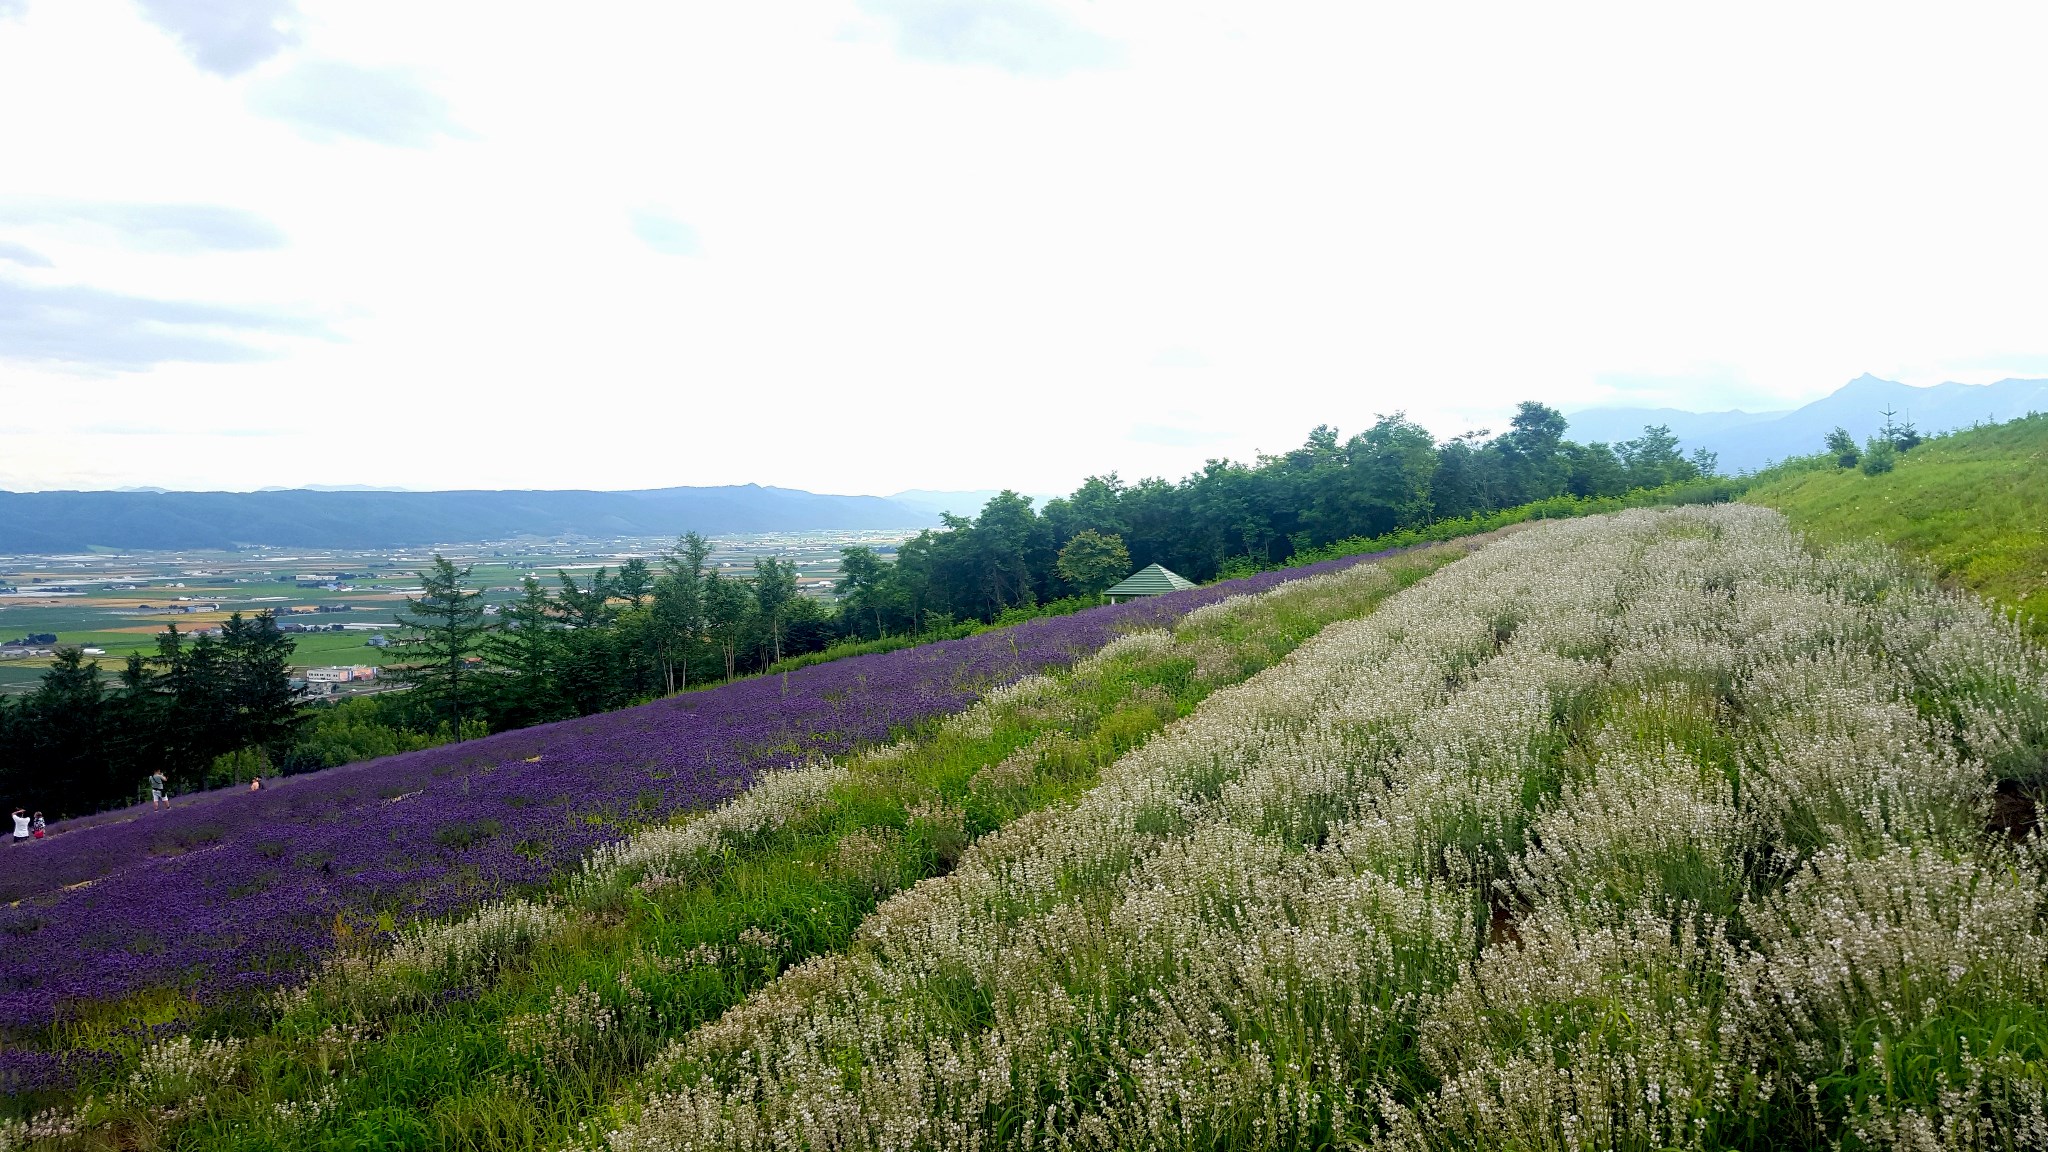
(1974, 505)
(47, 522)
(1747, 441)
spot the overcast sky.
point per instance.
(877, 244)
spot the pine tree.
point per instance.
(589, 674)
(258, 690)
(70, 707)
(444, 627)
(524, 649)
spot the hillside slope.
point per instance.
(1973, 504)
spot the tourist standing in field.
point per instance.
(157, 785)
(35, 826)
(20, 826)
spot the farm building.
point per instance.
(1151, 580)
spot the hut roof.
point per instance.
(1151, 580)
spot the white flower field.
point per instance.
(1650, 831)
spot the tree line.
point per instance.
(207, 711)
(1235, 517)
(602, 642)
(200, 709)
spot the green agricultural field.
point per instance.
(123, 600)
(1974, 505)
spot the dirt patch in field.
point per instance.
(2014, 810)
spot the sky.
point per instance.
(868, 245)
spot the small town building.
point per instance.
(340, 675)
(1151, 580)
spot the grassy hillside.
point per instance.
(1973, 504)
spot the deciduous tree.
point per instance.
(1093, 560)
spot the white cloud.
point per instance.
(85, 327)
(1019, 36)
(23, 255)
(666, 234)
(327, 100)
(1001, 246)
(227, 37)
(147, 227)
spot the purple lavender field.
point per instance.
(232, 891)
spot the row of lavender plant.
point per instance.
(235, 892)
(1651, 832)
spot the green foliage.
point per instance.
(444, 630)
(349, 730)
(1843, 447)
(774, 597)
(1900, 434)
(677, 614)
(1879, 457)
(1973, 504)
(78, 744)
(1092, 561)
(1233, 517)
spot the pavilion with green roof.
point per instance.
(1151, 580)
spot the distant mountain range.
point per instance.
(357, 516)
(55, 522)
(1746, 441)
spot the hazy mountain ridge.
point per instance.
(1746, 441)
(46, 522)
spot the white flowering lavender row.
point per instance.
(1616, 834)
(439, 951)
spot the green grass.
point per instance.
(440, 1063)
(1973, 505)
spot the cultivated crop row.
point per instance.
(1652, 831)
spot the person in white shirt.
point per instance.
(20, 826)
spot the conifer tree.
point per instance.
(444, 627)
(257, 684)
(524, 650)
